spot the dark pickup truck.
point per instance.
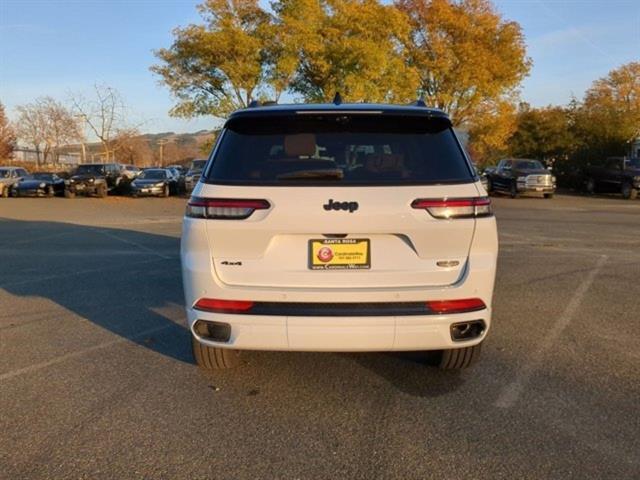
(518, 175)
(614, 175)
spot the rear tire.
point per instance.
(214, 358)
(628, 192)
(513, 190)
(459, 358)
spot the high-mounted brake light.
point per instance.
(224, 208)
(456, 306)
(223, 306)
(455, 207)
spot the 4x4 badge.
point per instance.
(350, 206)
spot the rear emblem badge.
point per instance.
(325, 254)
(350, 206)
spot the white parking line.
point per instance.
(79, 353)
(512, 392)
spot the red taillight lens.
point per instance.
(223, 306)
(456, 306)
(455, 207)
(224, 208)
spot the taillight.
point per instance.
(224, 208)
(455, 207)
(456, 306)
(223, 306)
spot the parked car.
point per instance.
(614, 175)
(515, 176)
(193, 175)
(8, 177)
(93, 179)
(155, 181)
(338, 227)
(38, 184)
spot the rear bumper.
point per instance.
(340, 334)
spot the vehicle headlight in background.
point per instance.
(42, 185)
(159, 184)
(91, 180)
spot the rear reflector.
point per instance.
(223, 306)
(224, 208)
(442, 307)
(445, 208)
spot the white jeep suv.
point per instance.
(339, 228)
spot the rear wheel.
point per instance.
(459, 358)
(213, 358)
(513, 190)
(628, 192)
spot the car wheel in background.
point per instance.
(68, 194)
(50, 192)
(458, 358)
(513, 190)
(628, 192)
(591, 186)
(213, 358)
(489, 185)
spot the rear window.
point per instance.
(338, 150)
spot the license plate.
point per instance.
(339, 254)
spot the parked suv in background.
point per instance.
(518, 175)
(93, 179)
(338, 227)
(193, 175)
(8, 177)
(614, 175)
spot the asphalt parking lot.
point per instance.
(97, 378)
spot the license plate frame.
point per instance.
(345, 254)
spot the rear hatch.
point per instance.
(330, 202)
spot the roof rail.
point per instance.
(337, 99)
(419, 102)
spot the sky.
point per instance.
(54, 47)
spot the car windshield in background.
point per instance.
(153, 174)
(198, 165)
(528, 165)
(90, 170)
(633, 163)
(42, 176)
(5, 173)
(343, 150)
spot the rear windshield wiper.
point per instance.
(335, 174)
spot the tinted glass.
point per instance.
(90, 170)
(42, 176)
(528, 164)
(153, 174)
(344, 150)
(198, 164)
